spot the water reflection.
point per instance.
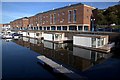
(8, 40)
(66, 53)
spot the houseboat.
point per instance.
(55, 37)
(93, 42)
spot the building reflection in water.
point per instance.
(65, 53)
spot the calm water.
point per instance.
(21, 63)
(19, 60)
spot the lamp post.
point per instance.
(93, 24)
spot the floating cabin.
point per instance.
(55, 37)
(92, 41)
(33, 34)
(24, 33)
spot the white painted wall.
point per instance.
(40, 35)
(82, 53)
(82, 41)
(32, 34)
(24, 33)
(19, 32)
(59, 38)
(47, 36)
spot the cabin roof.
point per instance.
(91, 35)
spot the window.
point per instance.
(40, 28)
(79, 27)
(40, 19)
(98, 39)
(74, 15)
(58, 27)
(48, 28)
(53, 28)
(86, 28)
(44, 28)
(64, 27)
(93, 42)
(102, 41)
(43, 22)
(28, 33)
(50, 19)
(37, 34)
(72, 27)
(54, 18)
(69, 16)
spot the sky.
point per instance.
(14, 10)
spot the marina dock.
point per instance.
(57, 68)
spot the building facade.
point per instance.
(1, 25)
(6, 26)
(71, 17)
(20, 24)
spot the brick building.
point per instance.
(20, 24)
(71, 17)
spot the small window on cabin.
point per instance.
(28, 33)
(37, 34)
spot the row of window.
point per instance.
(58, 28)
(53, 18)
(70, 16)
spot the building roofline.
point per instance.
(89, 6)
(72, 5)
(20, 19)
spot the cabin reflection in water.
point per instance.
(66, 53)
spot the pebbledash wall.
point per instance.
(72, 17)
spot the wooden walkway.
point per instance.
(60, 69)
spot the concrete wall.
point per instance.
(82, 41)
